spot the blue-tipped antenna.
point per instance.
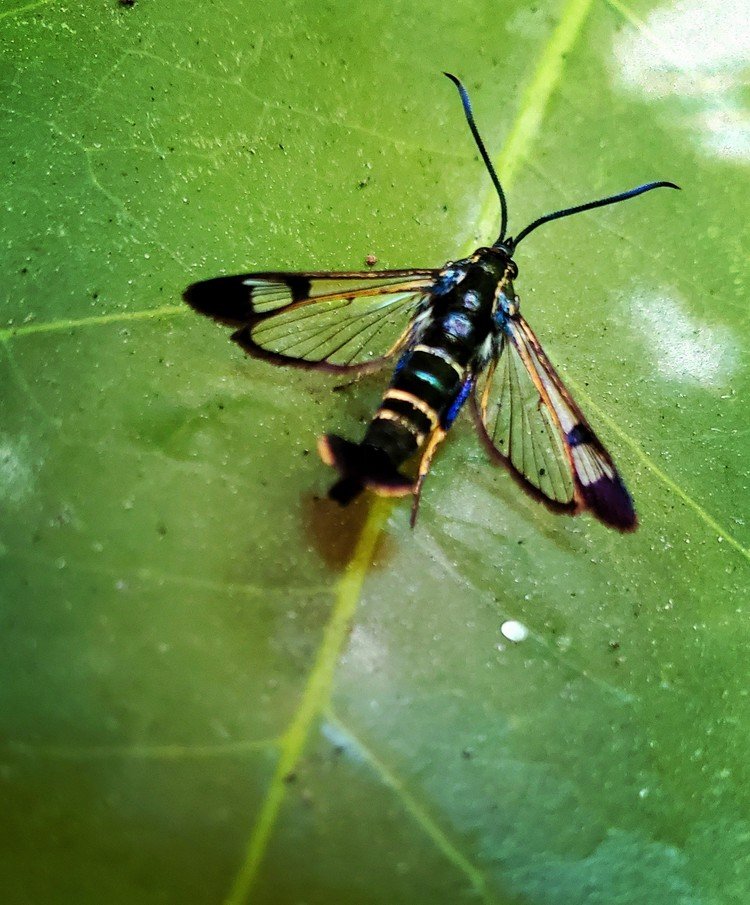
(613, 199)
(485, 156)
(511, 243)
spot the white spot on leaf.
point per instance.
(514, 631)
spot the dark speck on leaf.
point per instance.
(290, 777)
(467, 754)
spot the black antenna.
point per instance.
(485, 156)
(613, 199)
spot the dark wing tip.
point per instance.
(225, 299)
(609, 500)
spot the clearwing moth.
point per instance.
(456, 334)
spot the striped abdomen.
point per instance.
(450, 342)
(424, 391)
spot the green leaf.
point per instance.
(217, 686)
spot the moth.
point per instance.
(457, 336)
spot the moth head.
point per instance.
(502, 254)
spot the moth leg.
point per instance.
(487, 387)
(436, 438)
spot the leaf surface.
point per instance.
(218, 687)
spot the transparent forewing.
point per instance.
(341, 332)
(339, 321)
(598, 485)
(521, 428)
(533, 425)
(271, 291)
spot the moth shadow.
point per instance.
(335, 531)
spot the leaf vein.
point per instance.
(139, 752)
(314, 699)
(416, 810)
(23, 9)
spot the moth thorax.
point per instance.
(506, 300)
